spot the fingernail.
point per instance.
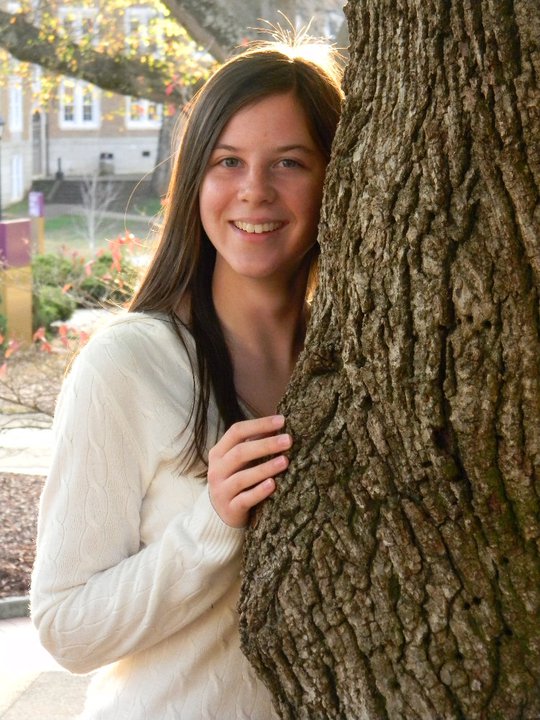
(278, 420)
(284, 440)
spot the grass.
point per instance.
(19, 209)
(66, 232)
(146, 206)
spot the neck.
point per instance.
(261, 319)
(264, 326)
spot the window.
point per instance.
(79, 22)
(141, 36)
(87, 103)
(142, 114)
(79, 105)
(79, 101)
(15, 105)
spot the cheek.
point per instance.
(208, 201)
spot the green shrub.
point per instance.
(3, 331)
(64, 281)
(54, 269)
(50, 304)
(107, 283)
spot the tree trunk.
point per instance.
(161, 173)
(396, 572)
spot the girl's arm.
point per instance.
(97, 595)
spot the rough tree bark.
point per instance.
(396, 572)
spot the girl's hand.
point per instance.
(238, 477)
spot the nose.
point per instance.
(256, 187)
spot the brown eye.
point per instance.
(290, 163)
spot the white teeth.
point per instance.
(265, 227)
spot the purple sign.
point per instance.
(36, 204)
(15, 245)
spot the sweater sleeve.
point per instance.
(97, 594)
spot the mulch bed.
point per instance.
(19, 499)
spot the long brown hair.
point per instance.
(180, 273)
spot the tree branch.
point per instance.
(119, 74)
(210, 24)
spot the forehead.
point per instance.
(274, 117)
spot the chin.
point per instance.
(256, 273)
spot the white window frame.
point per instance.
(78, 121)
(15, 104)
(143, 119)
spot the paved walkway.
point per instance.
(32, 685)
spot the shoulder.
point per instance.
(139, 345)
(133, 328)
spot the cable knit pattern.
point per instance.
(135, 572)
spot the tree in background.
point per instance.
(98, 196)
(181, 36)
(163, 61)
(157, 60)
(396, 571)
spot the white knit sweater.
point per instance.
(135, 571)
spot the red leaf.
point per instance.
(13, 346)
(39, 335)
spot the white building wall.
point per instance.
(81, 156)
(16, 170)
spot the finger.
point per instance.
(250, 477)
(246, 500)
(247, 429)
(247, 453)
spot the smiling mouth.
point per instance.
(258, 229)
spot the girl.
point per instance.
(141, 526)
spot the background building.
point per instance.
(75, 129)
(81, 129)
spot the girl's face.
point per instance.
(261, 193)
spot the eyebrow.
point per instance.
(281, 148)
